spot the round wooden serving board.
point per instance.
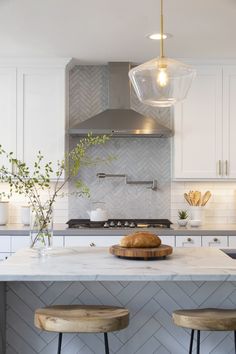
(141, 253)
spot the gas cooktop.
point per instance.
(119, 223)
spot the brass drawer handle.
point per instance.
(220, 168)
(226, 168)
(92, 244)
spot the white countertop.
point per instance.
(175, 230)
(96, 264)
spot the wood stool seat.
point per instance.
(81, 319)
(206, 319)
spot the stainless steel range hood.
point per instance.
(120, 119)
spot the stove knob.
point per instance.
(106, 225)
(119, 224)
(132, 224)
(126, 224)
(112, 224)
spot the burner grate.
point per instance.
(119, 223)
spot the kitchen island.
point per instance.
(190, 278)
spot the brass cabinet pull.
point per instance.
(92, 244)
(226, 168)
(220, 168)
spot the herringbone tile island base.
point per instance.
(151, 330)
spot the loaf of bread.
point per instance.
(140, 239)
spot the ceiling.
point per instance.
(97, 31)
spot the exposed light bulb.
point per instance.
(162, 77)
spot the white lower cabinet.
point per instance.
(58, 241)
(18, 242)
(4, 256)
(168, 240)
(188, 241)
(5, 244)
(92, 241)
(215, 241)
(232, 241)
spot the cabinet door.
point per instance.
(91, 241)
(7, 111)
(18, 242)
(232, 241)
(198, 127)
(229, 121)
(168, 240)
(5, 244)
(41, 114)
(188, 241)
(215, 241)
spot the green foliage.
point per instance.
(183, 214)
(22, 182)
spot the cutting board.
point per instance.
(141, 253)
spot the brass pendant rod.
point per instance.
(162, 32)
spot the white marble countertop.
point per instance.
(175, 230)
(96, 264)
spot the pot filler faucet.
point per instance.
(153, 183)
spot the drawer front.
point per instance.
(58, 241)
(4, 256)
(232, 241)
(18, 242)
(5, 244)
(168, 240)
(91, 241)
(188, 241)
(215, 241)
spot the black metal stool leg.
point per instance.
(198, 342)
(106, 343)
(59, 343)
(235, 341)
(191, 342)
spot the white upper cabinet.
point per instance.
(229, 122)
(197, 144)
(41, 114)
(33, 108)
(7, 111)
(205, 126)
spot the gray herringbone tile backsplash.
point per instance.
(138, 158)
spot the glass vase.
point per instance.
(41, 231)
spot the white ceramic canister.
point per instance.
(197, 213)
(25, 215)
(3, 212)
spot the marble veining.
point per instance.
(96, 264)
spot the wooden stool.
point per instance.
(205, 320)
(81, 319)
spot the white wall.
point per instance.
(60, 209)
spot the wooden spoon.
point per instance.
(197, 198)
(187, 198)
(191, 197)
(206, 197)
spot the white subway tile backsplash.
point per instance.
(221, 207)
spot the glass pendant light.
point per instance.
(162, 82)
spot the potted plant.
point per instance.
(31, 183)
(183, 217)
